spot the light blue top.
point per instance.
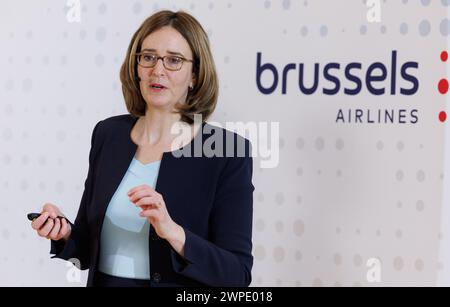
(124, 249)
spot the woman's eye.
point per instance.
(174, 60)
(149, 58)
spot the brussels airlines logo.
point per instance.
(376, 79)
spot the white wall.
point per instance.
(342, 193)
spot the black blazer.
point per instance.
(210, 197)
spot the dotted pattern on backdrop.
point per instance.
(342, 195)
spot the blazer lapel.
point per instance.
(116, 158)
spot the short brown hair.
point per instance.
(202, 99)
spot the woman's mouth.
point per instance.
(155, 87)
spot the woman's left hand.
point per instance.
(154, 209)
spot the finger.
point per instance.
(138, 188)
(146, 201)
(37, 223)
(64, 227)
(139, 194)
(45, 230)
(149, 213)
(55, 230)
(53, 214)
(48, 207)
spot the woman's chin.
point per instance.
(158, 103)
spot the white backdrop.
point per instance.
(342, 193)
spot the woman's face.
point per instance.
(166, 42)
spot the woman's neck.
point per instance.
(156, 128)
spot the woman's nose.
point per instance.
(159, 67)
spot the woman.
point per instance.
(154, 213)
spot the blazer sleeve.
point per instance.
(225, 259)
(77, 246)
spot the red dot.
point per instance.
(442, 116)
(444, 56)
(443, 86)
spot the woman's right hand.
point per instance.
(48, 225)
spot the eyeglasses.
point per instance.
(170, 62)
